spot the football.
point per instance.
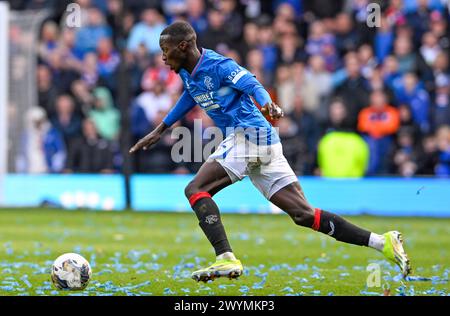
(71, 271)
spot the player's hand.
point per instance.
(273, 110)
(147, 141)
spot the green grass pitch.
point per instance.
(154, 253)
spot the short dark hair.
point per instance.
(180, 31)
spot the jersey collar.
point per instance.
(199, 62)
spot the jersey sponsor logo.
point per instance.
(208, 83)
(204, 97)
(237, 74)
(211, 107)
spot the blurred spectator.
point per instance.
(318, 37)
(154, 99)
(114, 11)
(354, 90)
(42, 149)
(347, 39)
(294, 146)
(66, 49)
(255, 63)
(89, 69)
(308, 133)
(379, 122)
(285, 88)
(430, 48)
(104, 114)
(108, 58)
(83, 97)
(367, 60)
(268, 48)
(90, 153)
(395, 12)
(323, 8)
(429, 156)
(159, 159)
(439, 28)
(407, 122)
(408, 60)
(250, 39)
(215, 36)
(289, 46)
(49, 39)
(147, 31)
(412, 94)
(376, 82)
(89, 35)
(335, 160)
(317, 85)
(66, 120)
(62, 72)
(443, 146)
(419, 19)
(233, 18)
(384, 39)
(196, 15)
(338, 118)
(285, 17)
(108, 61)
(442, 101)
(161, 74)
(47, 92)
(405, 153)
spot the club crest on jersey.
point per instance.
(208, 83)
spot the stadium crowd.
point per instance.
(358, 100)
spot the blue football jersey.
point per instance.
(223, 88)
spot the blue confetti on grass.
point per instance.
(287, 289)
(398, 278)
(25, 280)
(7, 288)
(364, 292)
(316, 275)
(243, 236)
(105, 271)
(168, 291)
(244, 289)
(430, 291)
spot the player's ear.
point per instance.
(183, 46)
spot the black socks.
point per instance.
(340, 229)
(209, 220)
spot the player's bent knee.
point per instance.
(191, 189)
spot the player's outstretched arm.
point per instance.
(184, 105)
(150, 139)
